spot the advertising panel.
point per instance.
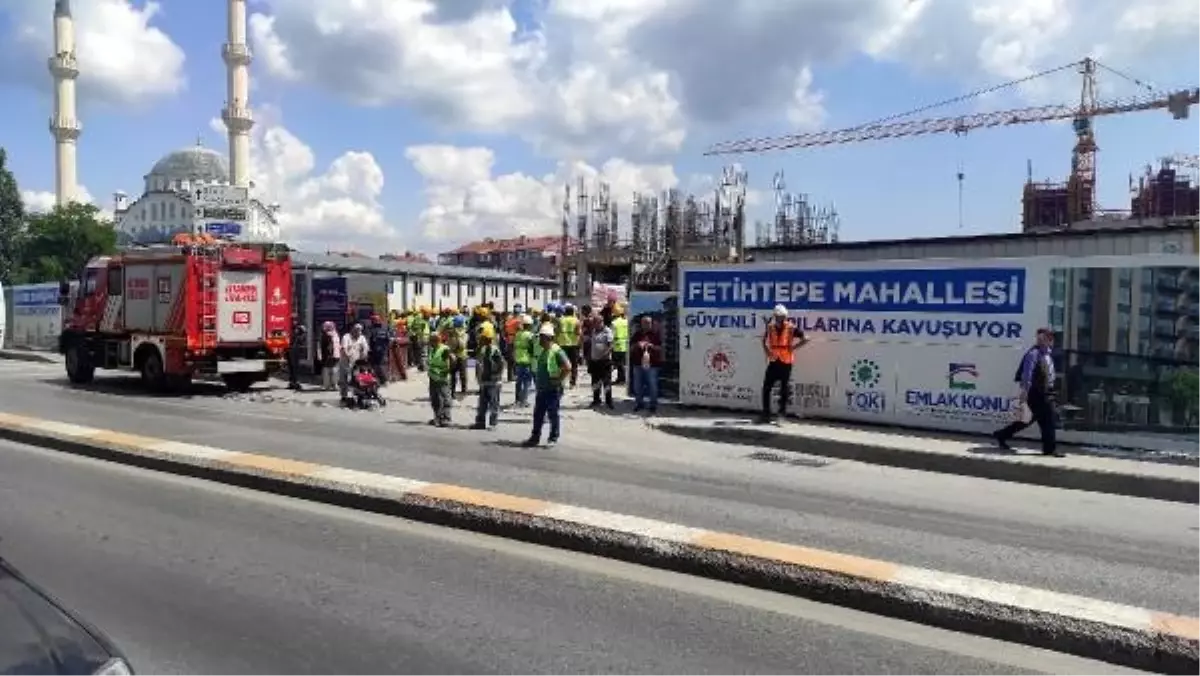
(37, 316)
(936, 343)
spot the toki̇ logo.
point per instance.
(961, 376)
(720, 361)
(865, 376)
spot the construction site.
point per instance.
(643, 245)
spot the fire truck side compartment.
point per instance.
(152, 297)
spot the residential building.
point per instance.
(535, 256)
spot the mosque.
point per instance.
(166, 207)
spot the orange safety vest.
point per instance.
(511, 327)
(779, 343)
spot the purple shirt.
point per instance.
(1032, 355)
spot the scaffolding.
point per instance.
(797, 220)
(662, 231)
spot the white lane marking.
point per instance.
(358, 481)
(186, 450)
(65, 429)
(636, 525)
(1040, 600)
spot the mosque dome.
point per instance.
(195, 164)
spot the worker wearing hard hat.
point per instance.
(490, 375)
(620, 348)
(780, 342)
(522, 356)
(551, 369)
(440, 369)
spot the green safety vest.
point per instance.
(553, 368)
(439, 364)
(523, 347)
(567, 334)
(620, 327)
(462, 341)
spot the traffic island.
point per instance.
(1115, 633)
(1171, 479)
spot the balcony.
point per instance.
(236, 53)
(64, 65)
(1166, 306)
(65, 128)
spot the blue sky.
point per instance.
(382, 99)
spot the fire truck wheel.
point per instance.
(153, 375)
(80, 370)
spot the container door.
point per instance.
(240, 296)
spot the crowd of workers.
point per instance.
(540, 351)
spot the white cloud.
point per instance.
(41, 201)
(123, 57)
(465, 201)
(329, 209)
(473, 67)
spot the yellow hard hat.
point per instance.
(487, 331)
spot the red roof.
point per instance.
(546, 243)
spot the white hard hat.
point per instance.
(526, 320)
(546, 331)
(780, 311)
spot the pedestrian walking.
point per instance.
(523, 349)
(1036, 378)
(329, 352)
(552, 368)
(780, 341)
(620, 329)
(491, 378)
(440, 370)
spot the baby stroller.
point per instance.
(364, 387)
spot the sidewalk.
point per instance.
(1157, 476)
(31, 355)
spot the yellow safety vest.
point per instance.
(620, 327)
(568, 332)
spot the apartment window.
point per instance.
(537, 294)
(495, 291)
(515, 291)
(445, 289)
(471, 289)
(418, 288)
(171, 210)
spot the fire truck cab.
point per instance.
(197, 306)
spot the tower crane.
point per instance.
(1080, 186)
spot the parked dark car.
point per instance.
(38, 635)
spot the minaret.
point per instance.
(64, 125)
(236, 114)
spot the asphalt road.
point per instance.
(193, 577)
(1129, 550)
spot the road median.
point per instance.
(1172, 482)
(1091, 628)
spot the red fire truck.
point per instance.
(169, 312)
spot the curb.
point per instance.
(1095, 481)
(1135, 637)
(23, 355)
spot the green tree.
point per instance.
(1183, 390)
(58, 243)
(12, 220)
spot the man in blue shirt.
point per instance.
(1036, 376)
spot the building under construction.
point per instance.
(797, 220)
(660, 231)
(1165, 193)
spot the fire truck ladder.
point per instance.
(210, 265)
